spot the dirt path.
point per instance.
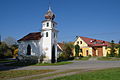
(50, 75)
(26, 77)
(65, 74)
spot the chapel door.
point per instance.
(28, 50)
(53, 54)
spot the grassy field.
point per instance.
(50, 64)
(108, 59)
(49, 75)
(19, 73)
(106, 74)
(41, 64)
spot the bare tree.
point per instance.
(10, 41)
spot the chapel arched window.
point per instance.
(46, 34)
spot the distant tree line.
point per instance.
(8, 48)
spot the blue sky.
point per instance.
(99, 19)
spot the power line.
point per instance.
(113, 33)
(104, 33)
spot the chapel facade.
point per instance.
(42, 43)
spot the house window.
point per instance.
(77, 42)
(80, 42)
(46, 34)
(47, 24)
(95, 42)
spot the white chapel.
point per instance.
(41, 43)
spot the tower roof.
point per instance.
(49, 15)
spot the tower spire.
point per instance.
(49, 6)
(49, 9)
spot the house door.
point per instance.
(53, 54)
(28, 50)
(87, 53)
(94, 51)
(100, 51)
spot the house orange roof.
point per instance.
(61, 45)
(95, 42)
(31, 36)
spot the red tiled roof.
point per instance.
(95, 42)
(31, 36)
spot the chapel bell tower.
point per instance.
(49, 37)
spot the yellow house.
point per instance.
(92, 47)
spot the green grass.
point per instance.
(49, 75)
(83, 58)
(19, 73)
(50, 64)
(106, 74)
(108, 59)
(5, 61)
(41, 64)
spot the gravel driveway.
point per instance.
(78, 65)
(75, 65)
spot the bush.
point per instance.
(119, 52)
(112, 51)
(3, 50)
(15, 54)
(8, 51)
(8, 54)
(64, 57)
(89, 55)
(77, 50)
(108, 55)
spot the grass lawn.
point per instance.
(49, 75)
(108, 59)
(83, 58)
(50, 64)
(106, 74)
(19, 73)
(5, 61)
(41, 64)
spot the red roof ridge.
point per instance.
(94, 42)
(31, 36)
(94, 39)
